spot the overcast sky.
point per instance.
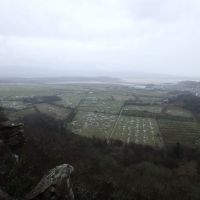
(99, 37)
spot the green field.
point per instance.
(70, 99)
(17, 105)
(150, 100)
(138, 130)
(53, 111)
(104, 106)
(107, 111)
(128, 129)
(123, 97)
(17, 91)
(91, 124)
(176, 111)
(153, 109)
(187, 133)
(17, 115)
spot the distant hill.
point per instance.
(59, 80)
(189, 84)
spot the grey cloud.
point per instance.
(89, 36)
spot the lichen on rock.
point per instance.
(54, 185)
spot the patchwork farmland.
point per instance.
(92, 124)
(106, 111)
(138, 130)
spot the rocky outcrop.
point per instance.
(11, 134)
(54, 186)
(11, 139)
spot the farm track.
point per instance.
(161, 138)
(115, 125)
(35, 108)
(164, 109)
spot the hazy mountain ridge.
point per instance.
(55, 80)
